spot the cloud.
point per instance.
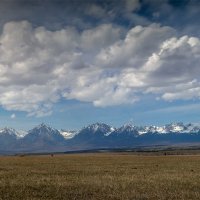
(82, 14)
(13, 116)
(38, 66)
(177, 109)
(177, 69)
(96, 11)
(106, 65)
(132, 5)
(137, 46)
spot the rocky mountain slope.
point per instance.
(44, 138)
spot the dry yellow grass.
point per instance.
(100, 176)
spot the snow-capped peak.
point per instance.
(170, 128)
(99, 127)
(9, 131)
(19, 134)
(43, 129)
(42, 125)
(175, 127)
(127, 129)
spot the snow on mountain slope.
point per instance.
(44, 130)
(98, 128)
(180, 128)
(170, 128)
(68, 134)
(21, 133)
(9, 131)
(112, 129)
(127, 129)
(107, 130)
(43, 136)
(98, 135)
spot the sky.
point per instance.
(70, 63)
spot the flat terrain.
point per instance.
(100, 176)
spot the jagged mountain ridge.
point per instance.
(98, 135)
(107, 130)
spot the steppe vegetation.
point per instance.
(113, 176)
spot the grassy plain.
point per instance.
(112, 176)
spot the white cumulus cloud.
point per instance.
(106, 65)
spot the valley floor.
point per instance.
(119, 176)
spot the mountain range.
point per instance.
(44, 138)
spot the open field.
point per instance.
(100, 176)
